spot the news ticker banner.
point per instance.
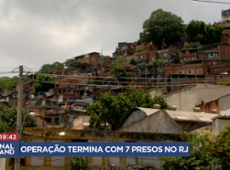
(10, 147)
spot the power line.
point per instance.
(130, 86)
(216, 2)
(127, 78)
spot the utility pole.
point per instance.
(17, 163)
(163, 44)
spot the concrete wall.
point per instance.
(224, 103)
(220, 124)
(57, 161)
(2, 163)
(134, 117)
(186, 99)
(40, 122)
(86, 119)
(78, 123)
(11, 102)
(37, 161)
(159, 122)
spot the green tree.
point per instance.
(198, 31)
(140, 50)
(220, 150)
(161, 26)
(224, 83)
(79, 163)
(111, 109)
(9, 116)
(43, 83)
(200, 156)
(133, 61)
(204, 153)
(177, 57)
(68, 62)
(117, 69)
(103, 59)
(3, 126)
(192, 45)
(50, 68)
(8, 82)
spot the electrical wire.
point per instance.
(127, 78)
(137, 82)
(216, 2)
(130, 86)
(90, 78)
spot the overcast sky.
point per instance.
(36, 32)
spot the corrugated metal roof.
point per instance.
(191, 116)
(148, 111)
(223, 115)
(183, 116)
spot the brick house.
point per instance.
(124, 49)
(189, 54)
(210, 56)
(146, 56)
(225, 52)
(216, 106)
(218, 68)
(225, 15)
(90, 58)
(164, 55)
(187, 69)
(180, 81)
(76, 68)
(226, 32)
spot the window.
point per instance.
(184, 59)
(192, 58)
(48, 120)
(57, 121)
(75, 73)
(60, 91)
(92, 59)
(191, 71)
(141, 56)
(165, 54)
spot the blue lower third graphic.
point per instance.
(105, 149)
(9, 149)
